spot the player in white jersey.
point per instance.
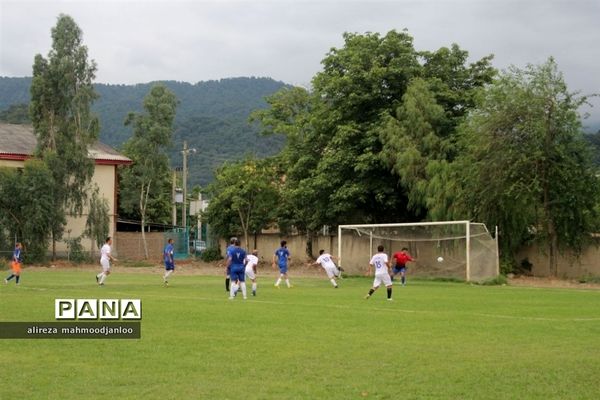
(326, 261)
(105, 259)
(251, 263)
(381, 263)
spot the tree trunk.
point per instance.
(309, 243)
(144, 238)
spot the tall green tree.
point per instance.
(146, 183)
(336, 163)
(244, 197)
(525, 165)
(27, 210)
(98, 220)
(61, 97)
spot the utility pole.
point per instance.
(185, 153)
(173, 198)
(183, 212)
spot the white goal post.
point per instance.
(445, 249)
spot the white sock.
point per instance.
(103, 278)
(333, 282)
(254, 286)
(278, 281)
(232, 289)
(287, 282)
(167, 274)
(99, 275)
(243, 285)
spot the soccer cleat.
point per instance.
(245, 298)
(336, 286)
(231, 297)
(367, 297)
(390, 299)
(166, 283)
(101, 284)
(6, 281)
(277, 286)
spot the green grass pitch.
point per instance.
(434, 341)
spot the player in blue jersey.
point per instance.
(16, 264)
(281, 258)
(236, 260)
(168, 257)
(228, 271)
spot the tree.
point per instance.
(61, 96)
(147, 181)
(98, 220)
(27, 206)
(525, 165)
(243, 197)
(337, 164)
(16, 114)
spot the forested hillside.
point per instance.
(212, 116)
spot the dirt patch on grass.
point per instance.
(182, 267)
(545, 282)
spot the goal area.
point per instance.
(447, 249)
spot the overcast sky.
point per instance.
(141, 41)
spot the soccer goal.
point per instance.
(447, 249)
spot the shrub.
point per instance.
(211, 254)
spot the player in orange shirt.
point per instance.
(16, 264)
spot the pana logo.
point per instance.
(98, 309)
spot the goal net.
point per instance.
(449, 249)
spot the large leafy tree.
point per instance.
(145, 186)
(343, 158)
(61, 97)
(27, 210)
(243, 197)
(524, 164)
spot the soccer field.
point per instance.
(434, 341)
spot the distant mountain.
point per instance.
(212, 116)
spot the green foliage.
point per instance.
(369, 142)
(77, 253)
(98, 220)
(16, 114)
(211, 254)
(496, 281)
(210, 116)
(27, 207)
(524, 165)
(145, 186)
(61, 97)
(243, 197)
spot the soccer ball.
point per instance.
(440, 259)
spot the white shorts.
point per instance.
(331, 272)
(105, 264)
(382, 278)
(250, 273)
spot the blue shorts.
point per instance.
(399, 269)
(283, 269)
(169, 266)
(238, 273)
